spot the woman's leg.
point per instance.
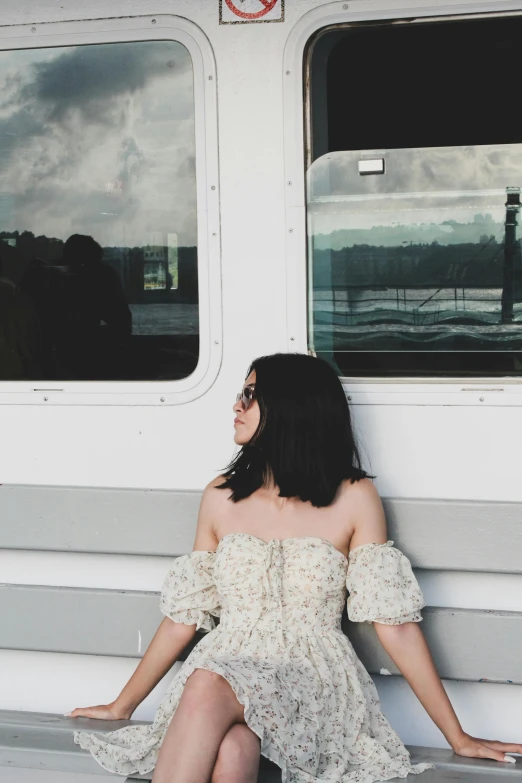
(238, 756)
(207, 709)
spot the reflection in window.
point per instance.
(415, 250)
(98, 248)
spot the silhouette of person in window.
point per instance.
(99, 295)
(20, 338)
(45, 282)
(98, 318)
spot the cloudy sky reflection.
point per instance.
(98, 140)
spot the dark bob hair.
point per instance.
(304, 438)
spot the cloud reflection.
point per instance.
(98, 140)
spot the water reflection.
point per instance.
(93, 314)
(424, 257)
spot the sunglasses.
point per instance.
(246, 396)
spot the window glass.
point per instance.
(98, 234)
(415, 262)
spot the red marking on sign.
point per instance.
(268, 5)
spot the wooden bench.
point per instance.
(467, 644)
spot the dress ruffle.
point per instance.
(382, 586)
(189, 594)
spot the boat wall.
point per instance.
(422, 440)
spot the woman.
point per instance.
(292, 522)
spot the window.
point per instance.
(98, 229)
(413, 199)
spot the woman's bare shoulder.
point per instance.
(213, 497)
(363, 508)
(216, 481)
(214, 484)
(360, 493)
(211, 512)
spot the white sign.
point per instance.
(245, 11)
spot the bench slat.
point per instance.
(44, 741)
(457, 535)
(467, 644)
(437, 534)
(108, 521)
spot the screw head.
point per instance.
(290, 230)
(33, 29)
(162, 399)
(210, 78)
(46, 399)
(289, 183)
(481, 399)
(349, 398)
(345, 6)
(212, 187)
(153, 21)
(288, 73)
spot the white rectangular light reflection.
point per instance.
(371, 166)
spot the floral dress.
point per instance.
(280, 646)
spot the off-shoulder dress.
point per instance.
(280, 646)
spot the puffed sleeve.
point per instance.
(382, 586)
(189, 594)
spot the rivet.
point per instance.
(292, 338)
(288, 73)
(345, 6)
(481, 399)
(290, 230)
(153, 21)
(33, 29)
(349, 398)
(213, 187)
(289, 183)
(162, 399)
(214, 234)
(46, 399)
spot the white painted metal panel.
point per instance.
(418, 448)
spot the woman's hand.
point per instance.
(474, 747)
(101, 712)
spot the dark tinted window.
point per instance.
(98, 234)
(414, 199)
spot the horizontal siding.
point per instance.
(466, 644)
(110, 521)
(435, 534)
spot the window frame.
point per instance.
(154, 392)
(485, 391)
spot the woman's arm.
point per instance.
(169, 640)
(406, 645)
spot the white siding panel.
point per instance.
(57, 683)
(70, 569)
(51, 682)
(442, 451)
(484, 709)
(455, 589)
